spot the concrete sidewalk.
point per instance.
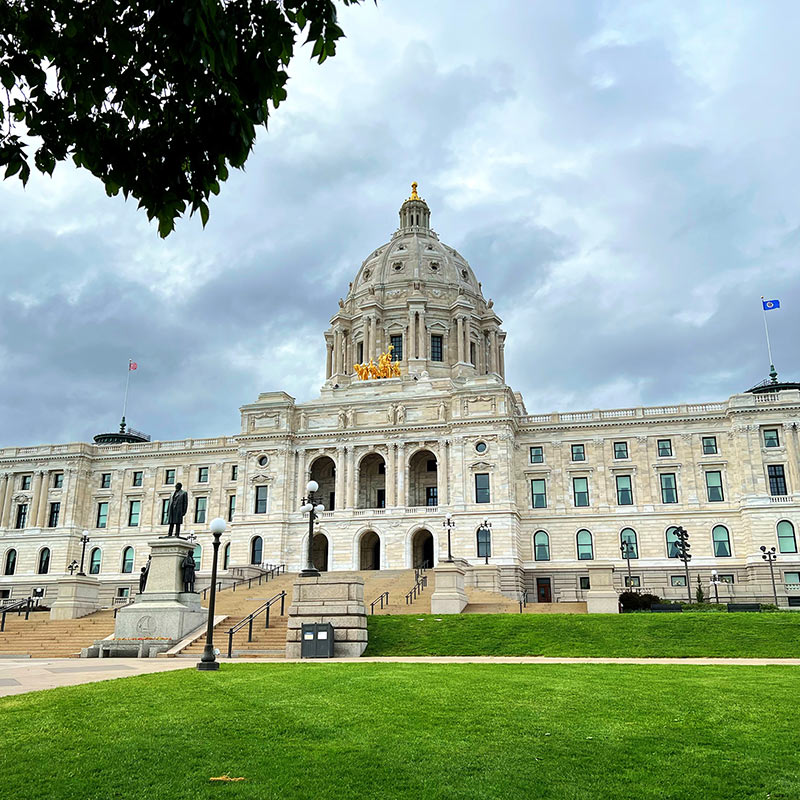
(20, 675)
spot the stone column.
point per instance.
(468, 340)
(33, 512)
(502, 362)
(339, 497)
(350, 478)
(421, 331)
(328, 359)
(3, 484)
(391, 481)
(400, 469)
(493, 351)
(7, 502)
(366, 339)
(41, 520)
(337, 352)
(412, 336)
(460, 335)
(444, 473)
(300, 487)
(373, 337)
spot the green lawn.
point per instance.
(410, 731)
(614, 635)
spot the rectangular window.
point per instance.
(714, 487)
(472, 353)
(584, 582)
(123, 591)
(677, 580)
(22, 515)
(235, 472)
(580, 491)
(134, 510)
(624, 490)
(169, 476)
(102, 515)
(360, 357)
(55, 510)
(791, 577)
(777, 480)
(664, 447)
(231, 507)
(771, 438)
(578, 452)
(397, 345)
(380, 498)
(105, 480)
(25, 483)
(709, 445)
(669, 489)
(725, 578)
(537, 455)
(437, 349)
(620, 449)
(165, 511)
(332, 501)
(202, 475)
(200, 504)
(261, 499)
(431, 496)
(382, 468)
(137, 478)
(58, 480)
(431, 466)
(482, 487)
(633, 581)
(539, 493)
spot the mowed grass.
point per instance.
(613, 635)
(410, 731)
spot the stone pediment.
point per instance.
(481, 465)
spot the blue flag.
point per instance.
(770, 305)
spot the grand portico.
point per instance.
(562, 491)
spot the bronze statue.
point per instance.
(178, 504)
(188, 564)
(143, 576)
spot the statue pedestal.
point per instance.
(163, 610)
(449, 596)
(78, 595)
(601, 597)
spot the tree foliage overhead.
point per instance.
(157, 98)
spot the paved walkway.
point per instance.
(20, 675)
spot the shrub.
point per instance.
(699, 594)
(703, 607)
(633, 601)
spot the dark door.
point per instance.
(543, 594)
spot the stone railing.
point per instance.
(104, 449)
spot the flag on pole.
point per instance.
(132, 365)
(770, 305)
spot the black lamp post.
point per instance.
(682, 545)
(311, 505)
(715, 583)
(626, 548)
(770, 556)
(84, 540)
(208, 661)
(449, 524)
(72, 567)
(485, 542)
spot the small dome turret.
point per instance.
(414, 213)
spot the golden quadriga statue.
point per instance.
(385, 368)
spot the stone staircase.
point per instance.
(40, 637)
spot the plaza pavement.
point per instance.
(21, 675)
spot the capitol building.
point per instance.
(560, 491)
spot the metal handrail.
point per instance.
(272, 572)
(18, 606)
(523, 602)
(124, 605)
(416, 590)
(380, 600)
(248, 620)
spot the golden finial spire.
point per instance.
(414, 195)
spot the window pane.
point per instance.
(791, 578)
(202, 475)
(482, 487)
(786, 541)
(714, 487)
(584, 540)
(665, 447)
(58, 480)
(709, 445)
(137, 478)
(397, 344)
(629, 543)
(771, 438)
(620, 449)
(541, 546)
(777, 480)
(722, 541)
(431, 496)
(672, 544)
(539, 493)
(22, 515)
(633, 581)
(436, 348)
(102, 515)
(165, 511)
(200, 509)
(11, 563)
(669, 491)
(133, 513)
(584, 582)
(484, 543)
(105, 480)
(578, 452)
(55, 510)
(624, 490)
(235, 472)
(231, 507)
(169, 476)
(127, 559)
(537, 455)
(580, 487)
(94, 561)
(44, 561)
(677, 580)
(256, 550)
(261, 500)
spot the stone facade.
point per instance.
(393, 455)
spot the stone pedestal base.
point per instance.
(339, 601)
(601, 597)
(486, 577)
(78, 595)
(448, 597)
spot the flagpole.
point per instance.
(772, 373)
(125, 401)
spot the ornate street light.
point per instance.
(72, 567)
(627, 549)
(84, 540)
(449, 524)
(208, 661)
(770, 556)
(485, 541)
(313, 507)
(715, 582)
(682, 546)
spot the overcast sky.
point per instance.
(622, 176)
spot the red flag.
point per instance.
(132, 365)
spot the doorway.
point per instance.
(543, 592)
(319, 552)
(370, 551)
(422, 549)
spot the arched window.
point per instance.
(257, 550)
(44, 561)
(198, 556)
(786, 541)
(226, 556)
(628, 535)
(484, 537)
(94, 561)
(127, 559)
(585, 549)
(541, 546)
(11, 563)
(722, 541)
(672, 543)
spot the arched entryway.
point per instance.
(319, 552)
(422, 549)
(423, 479)
(323, 471)
(372, 482)
(369, 551)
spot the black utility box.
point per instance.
(317, 640)
(744, 607)
(666, 607)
